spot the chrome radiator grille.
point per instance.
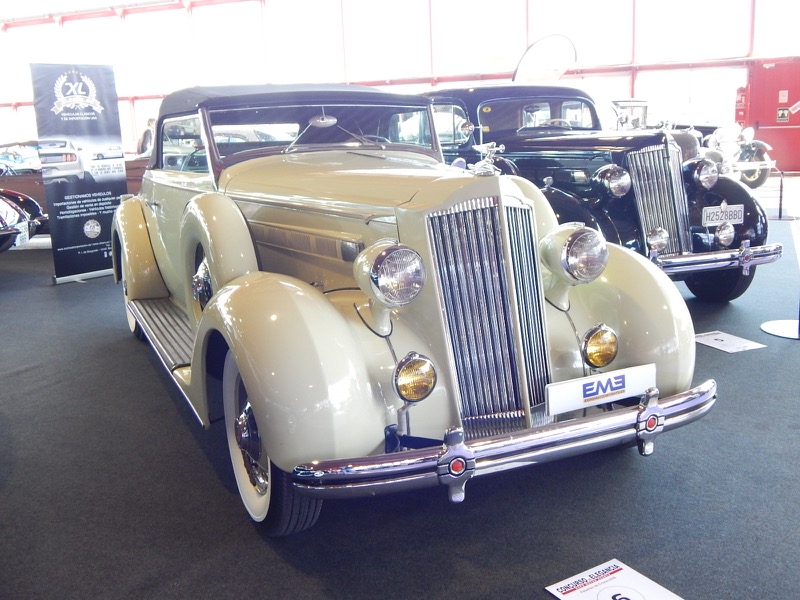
(660, 195)
(493, 309)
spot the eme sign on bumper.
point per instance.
(602, 388)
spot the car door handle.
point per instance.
(152, 204)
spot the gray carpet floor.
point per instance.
(109, 488)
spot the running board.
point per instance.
(167, 328)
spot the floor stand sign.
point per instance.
(83, 167)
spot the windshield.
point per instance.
(535, 115)
(305, 127)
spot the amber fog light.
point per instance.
(724, 234)
(599, 346)
(414, 377)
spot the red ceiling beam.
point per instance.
(113, 11)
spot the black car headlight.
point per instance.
(615, 179)
(704, 172)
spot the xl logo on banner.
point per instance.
(83, 167)
(75, 90)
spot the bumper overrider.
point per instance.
(744, 257)
(456, 461)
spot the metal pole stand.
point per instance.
(787, 328)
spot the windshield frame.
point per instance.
(308, 120)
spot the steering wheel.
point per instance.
(196, 162)
(559, 123)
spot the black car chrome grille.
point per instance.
(489, 283)
(660, 195)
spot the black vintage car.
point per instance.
(650, 191)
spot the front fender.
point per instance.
(132, 253)
(647, 311)
(303, 369)
(755, 226)
(570, 209)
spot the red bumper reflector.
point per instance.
(457, 466)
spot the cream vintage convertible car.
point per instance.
(369, 319)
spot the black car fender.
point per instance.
(755, 224)
(570, 208)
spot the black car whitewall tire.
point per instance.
(720, 286)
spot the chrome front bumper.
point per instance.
(744, 257)
(752, 165)
(455, 462)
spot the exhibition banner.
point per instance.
(83, 167)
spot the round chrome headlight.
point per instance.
(390, 272)
(705, 174)
(599, 346)
(657, 239)
(414, 377)
(585, 255)
(574, 252)
(615, 179)
(724, 234)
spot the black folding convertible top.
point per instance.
(478, 94)
(189, 100)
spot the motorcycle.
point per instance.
(743, 157)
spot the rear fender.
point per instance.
(758, 145)
(303, 369)
(214, 223)
(131, 240)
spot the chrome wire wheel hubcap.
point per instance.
(249, 443)
(201, 284)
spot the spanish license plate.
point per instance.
(602, 388)
(717, 215)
